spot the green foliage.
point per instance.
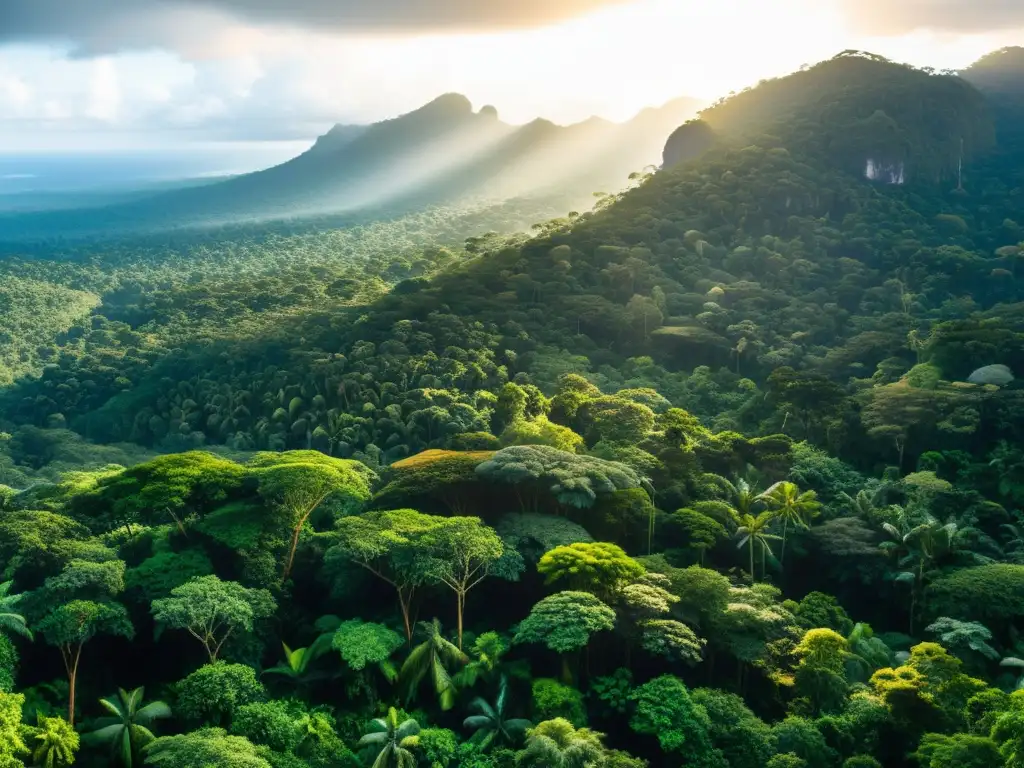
(203, 748)
(558, 744)
(126, 729)
(861, 761)
(53, 742)
(572, 480)
(361, 643)
(552, 699)
(155, 577)
(394, 737)
(8, 664)
(215, 692)
(12, 746)
(491, 723)
(613, 691)
(665, 710)
(600, 568)
(437, 658)
(798, 736)
(743, 739)
(817, 609)
(267, 723)
(963, 636)
(166, 489)
(982, 593)
(565, 621)
(960, 750)
(437, 745)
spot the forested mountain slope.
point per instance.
(725, 473)
(440, 154)
(764, 254)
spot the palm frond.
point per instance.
(373, 738)
(408, 728)
(155, 710)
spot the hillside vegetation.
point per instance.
(726, 472)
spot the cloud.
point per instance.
(199, 27)
(885, 17)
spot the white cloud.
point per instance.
(215, 77)
(104, 92)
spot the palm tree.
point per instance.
(917, 549)
(126, 728)
(734, 500)
(788, 504)
(433, 656)
(9, 620)
(558, 744)
(394, 740)
(490, 724)
(754, 530)
(54, 742)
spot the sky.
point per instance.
(102, 75)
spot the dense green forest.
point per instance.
(726, 472)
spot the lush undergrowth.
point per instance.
(726, 472)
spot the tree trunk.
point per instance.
(405, 603)
(291, 551)
(753, 576)
(71, 663)
(566, 670)
(461, 600)
(782, 554)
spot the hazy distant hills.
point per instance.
(442, 153)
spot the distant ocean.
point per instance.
(56, 172)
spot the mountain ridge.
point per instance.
(440, 153)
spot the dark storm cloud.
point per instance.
(98, 26)
(886, 17)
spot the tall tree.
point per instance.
(77, 605)
(390, 545)
(753, 531)
(298, 483)
(212, 610)
(787, 503)
(462, 552)
(564, 623)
